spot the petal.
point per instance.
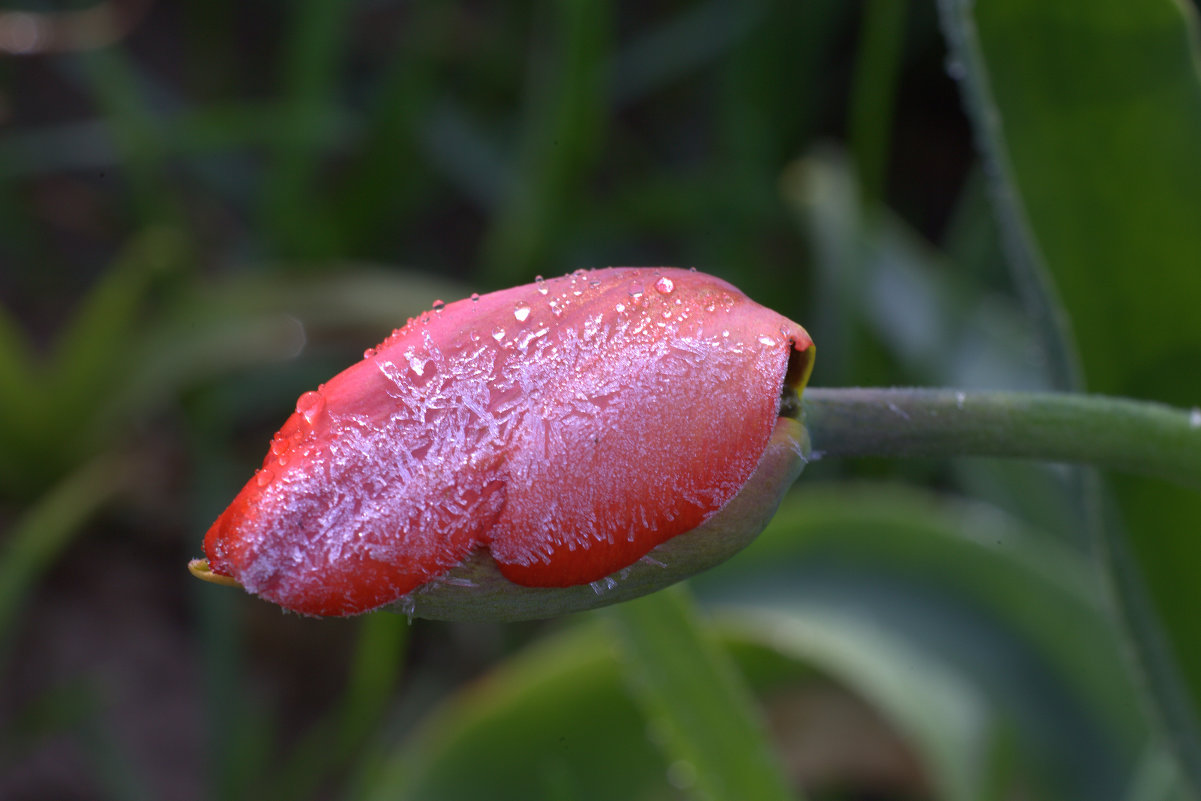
(658, 397)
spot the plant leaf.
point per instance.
(1091, 113)
(685, 682)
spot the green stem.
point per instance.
(1115, 433)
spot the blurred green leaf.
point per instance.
(375, 670)
(49, 411)
(960, 585)
(552, 721)
(929, 700)
(119, 89)
(881, 37)
(20, 400)
(292, 205)
(46, 529)
(92, 355)
(692, 693)
(987, 646)
(562, 134)
(1091, 114)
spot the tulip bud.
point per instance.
(542, 449)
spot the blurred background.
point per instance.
(207, 208)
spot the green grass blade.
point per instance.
(311, 60)
(690, 690)
(93, 354)
(120, 92)
(877, 71)
(563, 131)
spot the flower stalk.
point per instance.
(1114, 433)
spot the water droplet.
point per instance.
(620, 307)
(264, 477)
(579, 273)
(595, 282)
(635, 290)
(475, 297)
(367, 354)
(417, 365)
(766, 340)
(521, 312)
(498, 333)
(439, 305)
(692, 269)
(309, 405)
(665, 285)
(541, 282)
(475, 336)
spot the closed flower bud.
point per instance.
(542, 449)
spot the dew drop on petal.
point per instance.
(620, 307)
(264, 477)
(309, 405)
(367, 354)
(521, 312)
(498, 333)
(635, 290)
(766, 340)
(439, 305)
(665, 285)
(475, 297)
(541, 282)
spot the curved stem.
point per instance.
(1115, 433)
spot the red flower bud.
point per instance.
(556, 432)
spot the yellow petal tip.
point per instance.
(201, 570)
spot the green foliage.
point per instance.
(1093, 146)
(203, 220)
